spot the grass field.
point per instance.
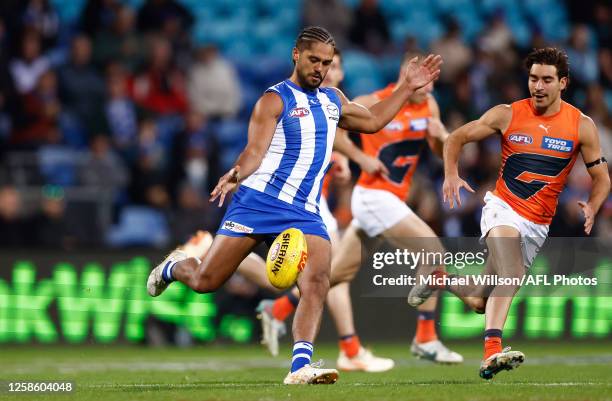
(552, 371)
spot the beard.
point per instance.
(309, 81)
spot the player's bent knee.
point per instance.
(477, 304)
(205, 284)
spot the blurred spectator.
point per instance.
(334, 15)
(121, 114)
(82, 87)
(8, 95)
(160, 88)
(192, 214)
(27, 70)
(98, 16)
(53, 228)
(14, 231)
(456, 55)
(102, 167)
(148, 185)
(583, 58)
(605, 64)
(497, 39)
(370, 30)
(121, 42)
(40, 16)
(40, 109)
(603, 23)
(154, 14)
(213, 87)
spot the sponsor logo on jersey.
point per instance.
(333, 111)
(236, 227)
(557, 144)
(418, 124)
(299, 112)
(521, 139)
(395, 126)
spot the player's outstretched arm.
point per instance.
(493, 121)
(261, 130)
(597, 168)
(356, 117)
(436, 131)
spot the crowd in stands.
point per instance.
(140, 105)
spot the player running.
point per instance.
(541, 138)
(379, 210)
(277, 179)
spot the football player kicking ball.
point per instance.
(541, 138)
(379, 210)
(277, 179)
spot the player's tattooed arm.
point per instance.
(495, 120)
(436, 131)
(368, 120)
(261, 130)
(590, 150)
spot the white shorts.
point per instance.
(328, 218)
(376, 210)
(497, 212)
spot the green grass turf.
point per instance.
(552, 371)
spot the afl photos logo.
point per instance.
(299, 112)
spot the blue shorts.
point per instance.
(256, 213)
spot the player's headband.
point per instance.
(596, 162)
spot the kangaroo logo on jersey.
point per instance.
(557, 144)
(521, 139)
(333, 111)
(299, 112)
(418, 124)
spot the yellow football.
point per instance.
(286, 258)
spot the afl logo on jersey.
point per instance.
(521, 139)
(299, 112)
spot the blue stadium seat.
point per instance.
(57, 165)
(362, 73)
(139, 226)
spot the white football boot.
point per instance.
(435, 351)
(155, 283)
(312, 374)
(271, 328)
(505, 360)
(364, 361)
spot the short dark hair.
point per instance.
(314, 34)
(549, 56)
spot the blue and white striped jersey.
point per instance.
(298, 157)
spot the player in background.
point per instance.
(379, 210)
(541, 137)
(277, 179)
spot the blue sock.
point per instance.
(167, 275)
(302, 352)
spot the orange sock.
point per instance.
(426, 327)
(350, 345)
(492, 342)
(282, 308)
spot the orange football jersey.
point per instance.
(537, 155)
(398, 146)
